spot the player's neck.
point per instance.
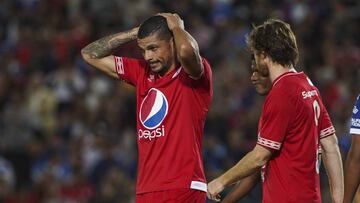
(277, 70)
(172, 67)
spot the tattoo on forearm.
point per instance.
(106, 45)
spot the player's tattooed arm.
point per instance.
(106, 45)
(98, 53)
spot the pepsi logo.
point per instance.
(153, 109)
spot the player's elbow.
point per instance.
(329, 144)
(189, 57)
(260, 161)
(85, 55)
(261, 156)
(88, 57)
(188, 51)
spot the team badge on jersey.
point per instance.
(153, 109)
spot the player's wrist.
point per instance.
(337, 196)
(134, 32)
(176, 28)
(337, 199)
(223, 181)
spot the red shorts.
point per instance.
(172, 196)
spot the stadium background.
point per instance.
(67, 132)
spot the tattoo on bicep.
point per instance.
(104, 46)
(99, 48)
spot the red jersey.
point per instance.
(292, 122)
(171, 112)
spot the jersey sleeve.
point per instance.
(275, 119)
(325, 125)
(355, 119)
(129, 69)
(205, 80)
(206, 76)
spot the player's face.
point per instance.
(260, 76)
(159, 53)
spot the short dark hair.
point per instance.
(152, 25)
(276, 39)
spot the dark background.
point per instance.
(67, 131)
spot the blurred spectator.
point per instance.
(69, 133)
(7, 178)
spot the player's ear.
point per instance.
(267, 59)
(264, 71)
(263, 55)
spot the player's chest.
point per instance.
(160, 94)
(153, 88)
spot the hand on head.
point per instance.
(173, 20)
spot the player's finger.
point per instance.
(162, 14)
(217, 198)
(208, 195)
(176, 15)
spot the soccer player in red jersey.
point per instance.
(352, 165)
(174, 91)
(294, 129)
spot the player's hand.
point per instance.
(214, 188)
(173, 20)
(134, 31)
